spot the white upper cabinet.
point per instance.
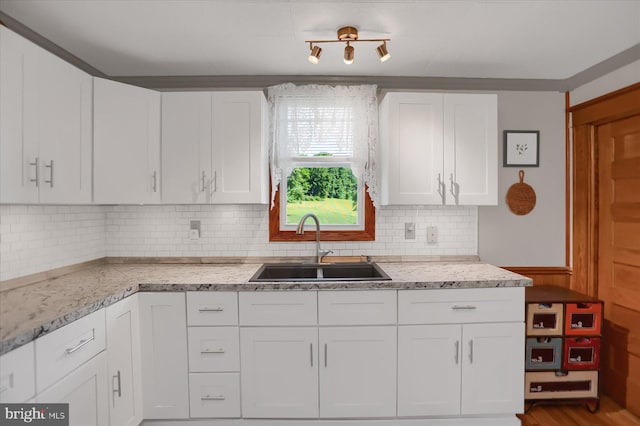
(186, 147)
(214, 148)
(45, 126)
(439, 148)
(471, 149)
(126, 144)
(411, 148)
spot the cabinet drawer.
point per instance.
(544, 319)
(357, 307)
(278, 308)
(543, 353)
(66, 349)
(213, 349)
(583, 319)
(552, 385)
(581, 353)
(460, 305)
(17, 374)
(214, 394)
(212, 308)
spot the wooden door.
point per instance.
(619, 256)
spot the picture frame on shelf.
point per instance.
(521, 148)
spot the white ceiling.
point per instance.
(529, 39)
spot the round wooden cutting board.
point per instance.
(521, 198)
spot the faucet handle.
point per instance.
(324, 253)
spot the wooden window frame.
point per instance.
(367, 234)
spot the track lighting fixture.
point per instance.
(348, 35)
(383, 53)
(314, 55)
(348, 54)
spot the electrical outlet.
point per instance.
(194, 229)
(409, 231)
(432, 234)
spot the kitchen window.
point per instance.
(322, 152)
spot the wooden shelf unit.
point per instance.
(562, 356)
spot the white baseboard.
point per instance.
(458, 421)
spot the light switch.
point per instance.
(409, 231)
(432, 234)
(194, 229)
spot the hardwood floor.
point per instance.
(609, 414)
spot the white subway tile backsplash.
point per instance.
(38, 238)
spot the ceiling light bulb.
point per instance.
(348, 54)
(314, 56)
(383, 53)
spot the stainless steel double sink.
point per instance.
(319, 272)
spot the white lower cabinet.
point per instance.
(85, 390)
(163, 340)
(358, 371)
(124, 363)
(18, 375)
(279, 372)
(214, 395)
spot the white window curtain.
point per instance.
(312, 119)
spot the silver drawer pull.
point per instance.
(80, 344)
(214, 309)
(463, 307)
(207, 351)
(213, 398)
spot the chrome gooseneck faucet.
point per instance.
(300, 230)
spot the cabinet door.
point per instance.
(85, 390)
(279, 368)
(411, 148)
(493, 368)
(123, 359)
(126, 143)
(429, 358)
(186, 147)
(239, 148)
(65, 129)
(163, 341)
(18, 119)
(471, 149)
(358, 372)
(18, 374)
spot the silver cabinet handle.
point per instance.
(311, 352)
(50, 167)
(457, 357)
(214, 309)
(80, 344)
(213, 398)
(119, 389)
(37, 179)
(325, 354)
(471, 351)
(155, 181)
(202, 181)
(463, 307)
(217, 351)
(215, 181)
(455, 188)
(441, 189)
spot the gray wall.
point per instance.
(536, 239)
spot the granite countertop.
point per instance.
(32, 311)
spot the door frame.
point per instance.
(585, 118)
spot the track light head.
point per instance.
(314, 55)
(349, 53)
(383, 53)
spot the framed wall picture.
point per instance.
(521, 148)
